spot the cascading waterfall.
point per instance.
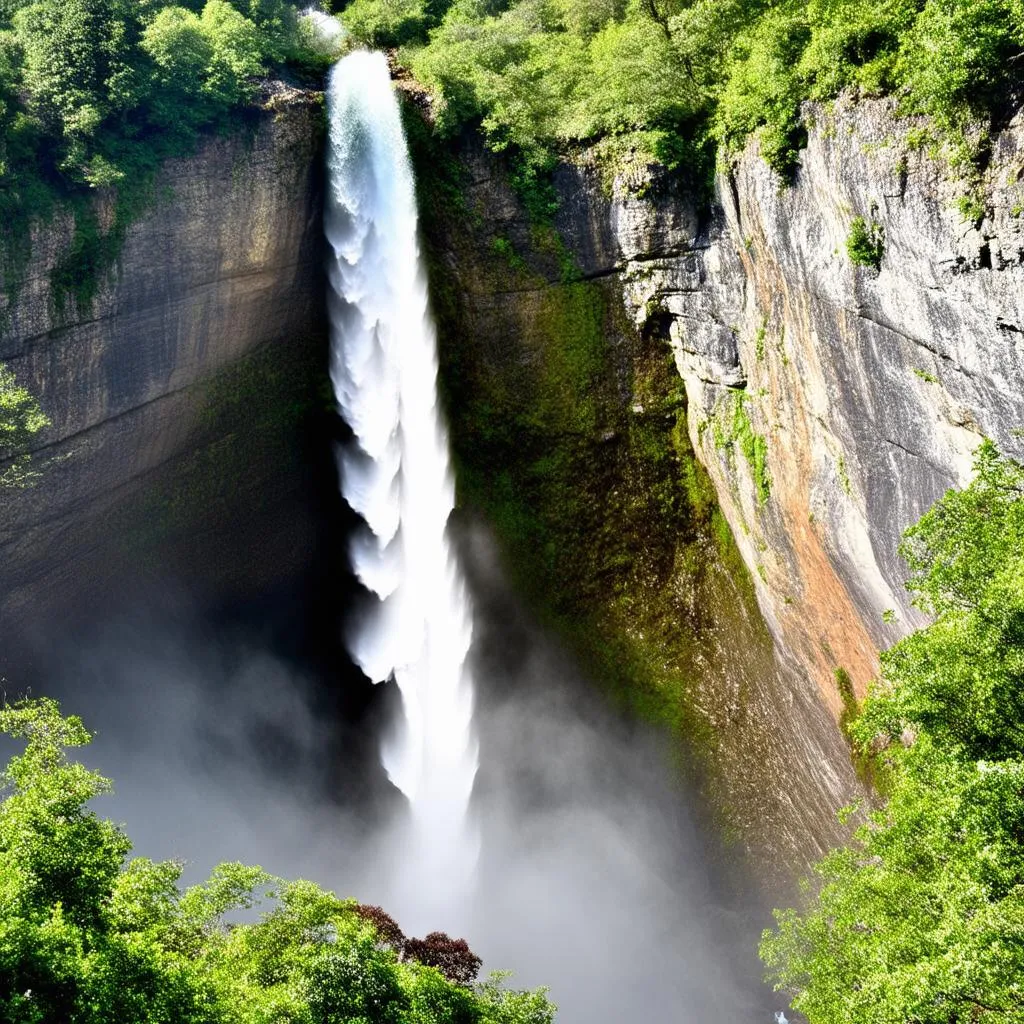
(396, 474)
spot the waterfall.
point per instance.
(396, 473)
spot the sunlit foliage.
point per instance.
(922, 917)
(91, 937)
(21, 418)
(667, 76)
(89, 89)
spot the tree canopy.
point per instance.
(921, 918)
(89, 936)
(90, 89)
(674, 78)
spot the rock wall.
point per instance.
(159, 392)
(831, 403)
(569, 424)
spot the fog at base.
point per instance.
(593, 876)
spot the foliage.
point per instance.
(21, 418)
(382, 23)
(922, 917)
(865, 244)
(662, 79)
(90, 937)
(452, 957)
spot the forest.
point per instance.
(93, 91)
(682, 80)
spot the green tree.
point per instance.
(79, 69)
(21, 418)
(388, 22)
(182, 53)
(237, 53)
(90, 937)
(922, 917)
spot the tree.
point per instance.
(921, 918)
(79, 68)
(91, 937)
(452, 957)
(388, 22)
(21, 418)
(237, 53)
(182, 53)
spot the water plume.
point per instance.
(396, 475)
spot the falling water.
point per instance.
(396, 474)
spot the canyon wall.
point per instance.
(569, 423)
(832, 403)
(174, 394)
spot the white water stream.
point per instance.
(396, 474)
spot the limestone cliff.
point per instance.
(569, 425)
(831, 403)
(166, 394)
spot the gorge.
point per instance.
(687, 438)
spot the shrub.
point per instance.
(21, 418)
(452, 957)
(865, 244)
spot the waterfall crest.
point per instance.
(396, 474)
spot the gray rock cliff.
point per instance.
(775, 767)
(157, 393)
(831, 403)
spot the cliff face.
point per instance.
(831, 403)
(165, 395)
(569, 424)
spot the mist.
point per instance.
(595, 878)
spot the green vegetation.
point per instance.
(94, 94)
(844, 684)
(844, 475)
(865, 244)
(674, 79)
(21, 419)
(733, 430)
(921, 918)
(91, 937)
